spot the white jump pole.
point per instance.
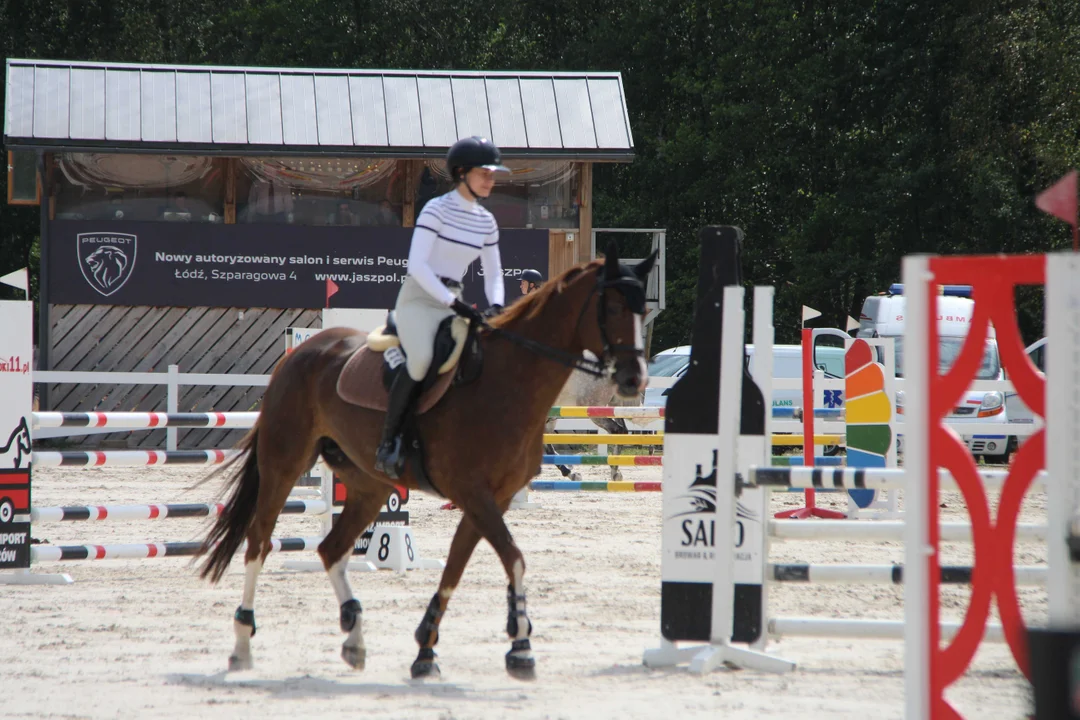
(1063, 436)
(917, 547)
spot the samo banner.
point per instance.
(277, 266)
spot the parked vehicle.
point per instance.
(883, 316)
(667, 367)
(1017, 409)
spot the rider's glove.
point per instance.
(467, 311)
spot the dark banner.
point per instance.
(277, 266)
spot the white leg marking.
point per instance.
(241, 656)
(339, 580)
(251, 574)
(519, 591)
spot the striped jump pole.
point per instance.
(878, 531)
(658, 439)
(648, 412)
(594, 486)
(145, 420)
(598, 439)
(157, 511)
(887, 574)
(797, 460)
(658, 460)
(861, 478)
(797, 440)
(623, 460)
(140, 551)
(130, 458)
(796, 413)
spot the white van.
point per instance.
(667, 367)
(883, 316)
(1016, 408)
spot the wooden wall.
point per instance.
(241, 341)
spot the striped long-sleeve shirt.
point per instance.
(450, 234)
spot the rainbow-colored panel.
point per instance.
(868, 414)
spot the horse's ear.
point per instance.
(643, 268)
(611, 261)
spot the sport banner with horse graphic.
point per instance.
(16, 387)
(273, 266)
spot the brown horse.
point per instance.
(483, 442)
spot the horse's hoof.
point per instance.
(575, 477)
(521, 667)
(425, 670)
(237, 663)
(355, 657)
(617, 477)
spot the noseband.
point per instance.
(632, 291)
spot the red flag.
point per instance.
(1060, 199)
(331, 288)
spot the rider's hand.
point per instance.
(467, 311)
(493, 311)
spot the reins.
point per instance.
(595, 368)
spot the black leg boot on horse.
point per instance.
(390, 458)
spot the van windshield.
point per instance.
(949, 350)
(667, 365)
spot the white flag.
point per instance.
(809, 313)
(19, 279)
(852, 324)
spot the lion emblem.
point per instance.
(107, 265)
(106, 260)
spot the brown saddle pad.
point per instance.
(360, 383)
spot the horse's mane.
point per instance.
(530, 305)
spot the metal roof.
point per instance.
(268, 111)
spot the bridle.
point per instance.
(603, 366)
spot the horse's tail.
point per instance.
(232, 525)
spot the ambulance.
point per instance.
(883, 316)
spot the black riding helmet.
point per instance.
(473, 152)
(532, 276)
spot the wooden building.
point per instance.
(137, 167)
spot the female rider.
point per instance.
(451, 232)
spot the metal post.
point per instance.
(917, 547)
(1063, 438)
(764, 335)
(172, 404)
(44, 323)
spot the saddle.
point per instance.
(366, 378)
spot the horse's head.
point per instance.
(616, 337)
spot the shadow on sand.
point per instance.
(305, 686)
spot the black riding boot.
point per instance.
(390, 458)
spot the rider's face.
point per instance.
(524, 285)
(481, 181)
